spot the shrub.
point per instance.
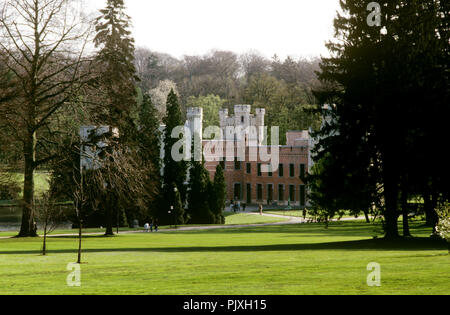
(9, 191)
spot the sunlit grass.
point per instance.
(288, 259)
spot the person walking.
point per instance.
(260, 209)
(156, 225)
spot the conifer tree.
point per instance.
(198, 197)
(174, 171)
(171, 210)
(381, 81)
(117, 79)
(116, 60)
(149, 136)
(218, 195)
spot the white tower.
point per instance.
(195, 121)
(260, 124)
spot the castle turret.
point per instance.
(223, 116)
(242, 115)
(260, 124)
(195, 120)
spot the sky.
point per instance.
(297, 28)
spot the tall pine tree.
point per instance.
(149, 136)
(199, 209)
(174, 172)
(116, 60)
(117, 79)
(382, 82)
(218, 195)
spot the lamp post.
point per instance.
(175, 190)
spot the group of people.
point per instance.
(151, 227)
(235, 206)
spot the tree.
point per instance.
(159, 96)
(50, 215)
(253, 63)
(117, 79)
(443, 228)
(174, 171)
(150, 148)
(172, 212)
(116, 58)
(198, 196)
(43, 50)
(378, 80)
(218, 195)
(211, 105)
(287, 105)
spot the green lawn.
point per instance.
(40, 180)
(288, 259)
(230, 219)
(245, 218)
(299, 214)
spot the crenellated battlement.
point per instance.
(195, 112)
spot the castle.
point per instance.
(246, 179)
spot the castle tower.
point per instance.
(195, 120)
(242, 115)
(260, 124)
(223, 116)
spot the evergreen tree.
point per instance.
(198, 197)
(174, 171)
(378, 80)
(149, 136)
(218, 195)
(117, 79)
(116, 60)
(171, 210)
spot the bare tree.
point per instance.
(122, 182)
(50, 215)
(43, 44)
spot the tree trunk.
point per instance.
(44, 246)
(366, 215)
(28, 227)
(391, 207)
(80, 235)
(109, 216)
(404, 201)
(434, 215)
(427, 208)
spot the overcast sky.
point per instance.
(183, 27)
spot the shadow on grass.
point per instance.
(417, 244)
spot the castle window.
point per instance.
(292, 170)
(280, 192)
(292, 193)
(237, 164)
(249, 168)
(242, 119)
(302, 171)
(302, 196)
(260, 192)
(281, 170)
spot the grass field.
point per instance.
(288, 259)
(40, 180)
(299, 214)
(230, 219)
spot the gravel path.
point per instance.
(290, 220)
